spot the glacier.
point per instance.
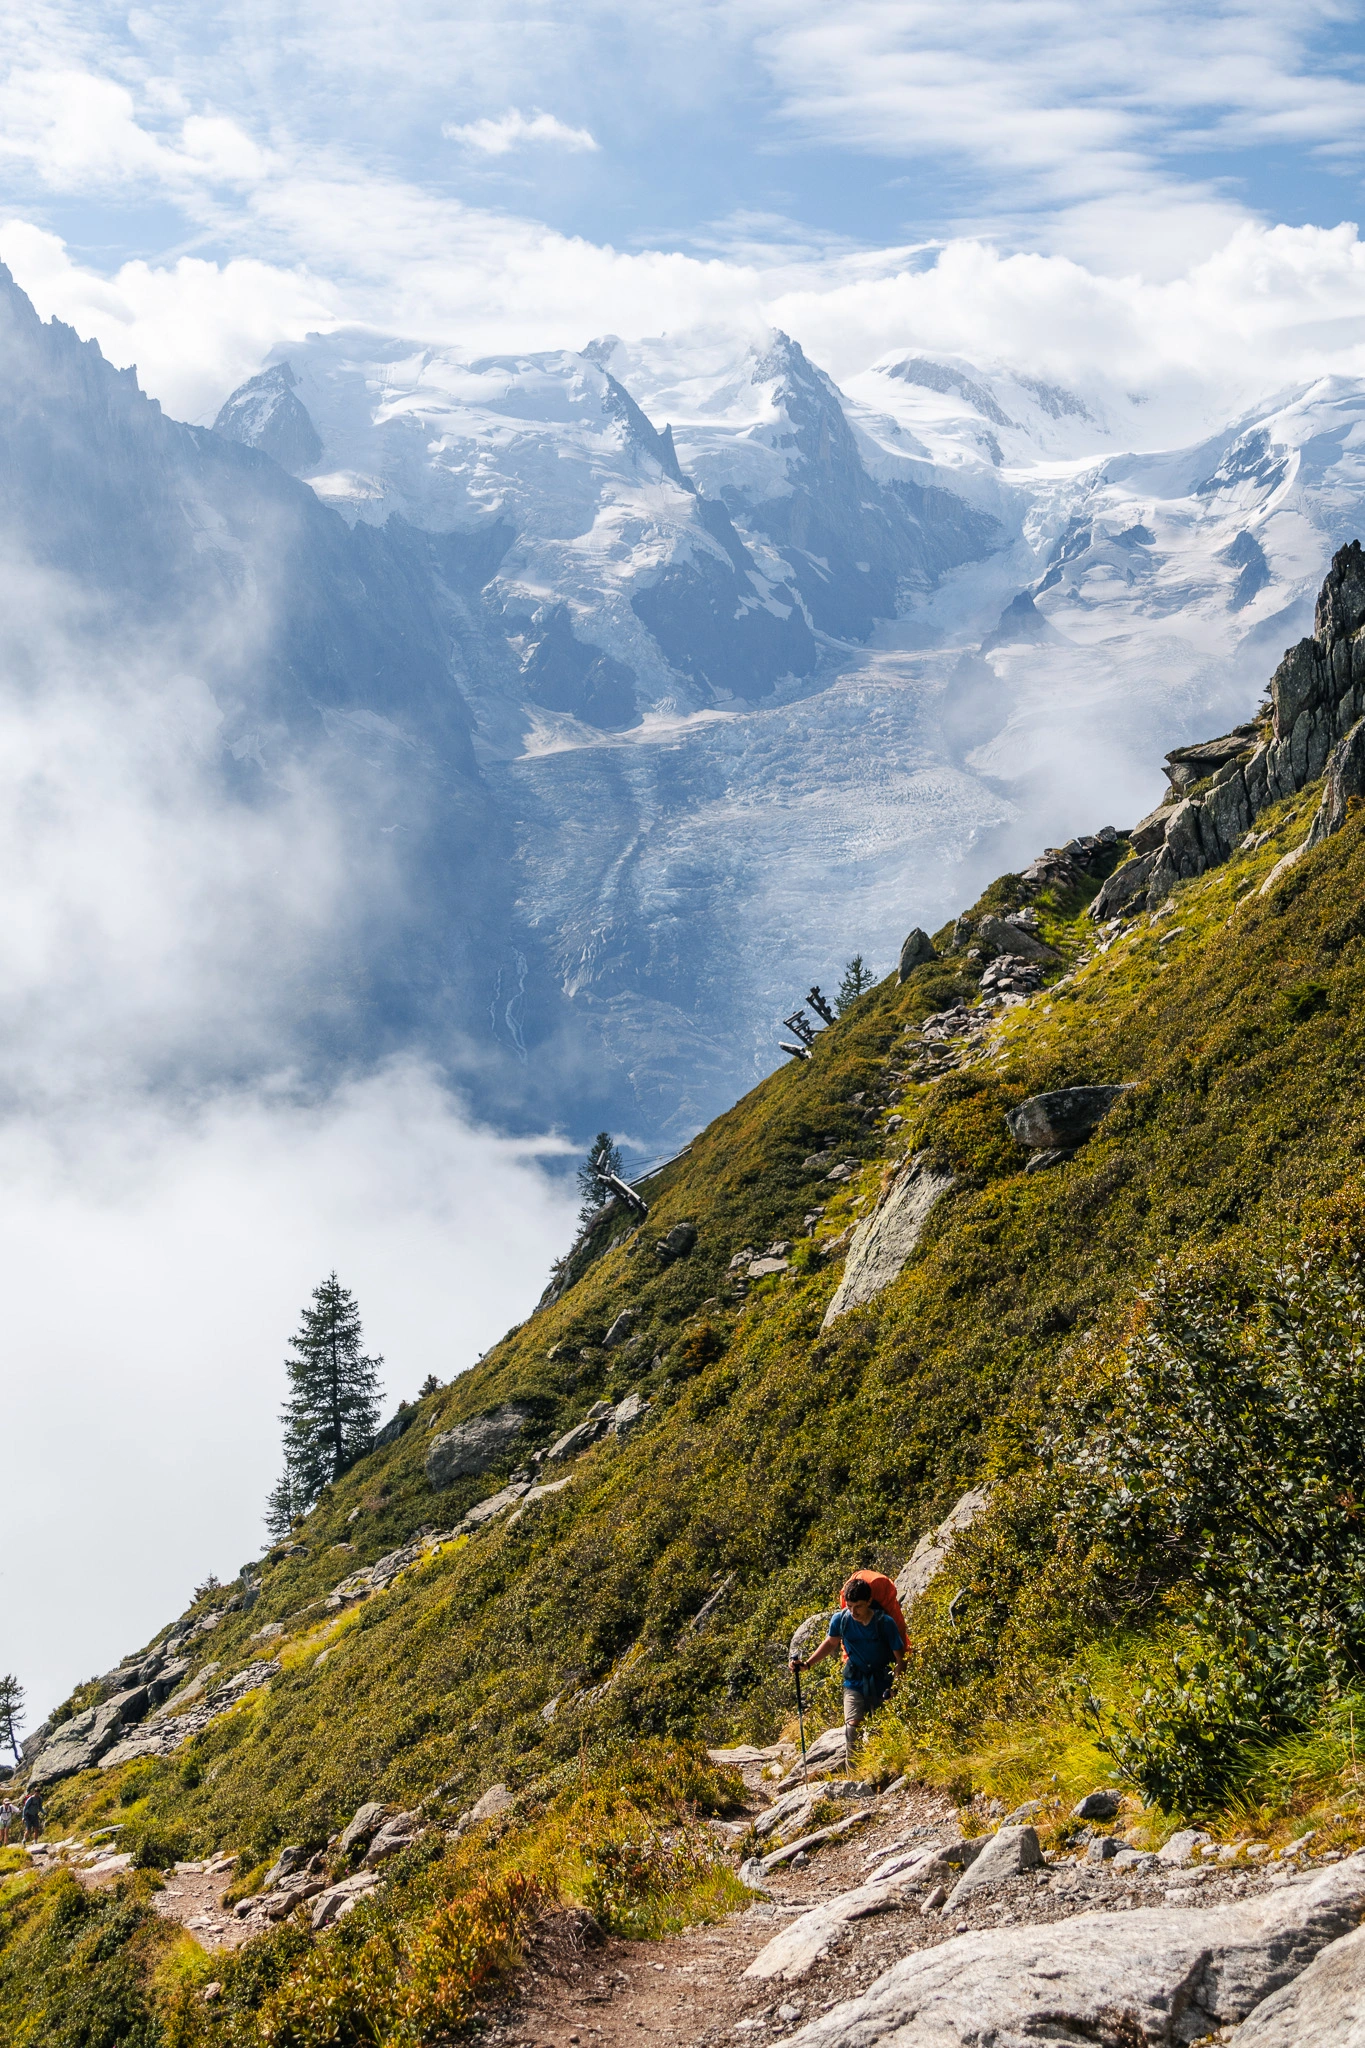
(647, 681)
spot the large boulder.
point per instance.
(918, 948)
(1000, 935)
(1062, 1118)
(883, 1241)
(473, 1448)
(1150, 1978)
(1326, 2003)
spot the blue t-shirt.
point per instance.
(871, 1650)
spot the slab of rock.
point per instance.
(1150, 1978)
(620, 1329)
(1062, 1118)
(1001, 936)
(1325, 2004)
(1183, 1847)
(473, 1448)
(580, 1438)
(794, 1952)
(496, 1504)
(927, 1559)
(1003, 1854)
(918, 948)
(497, 1799)
(826, 1749)
(628, 1415)
(883, 1241)
(363, 1825)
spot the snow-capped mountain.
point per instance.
(656, 678)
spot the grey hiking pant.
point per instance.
(856, 1711)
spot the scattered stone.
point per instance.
(1101, 1805)
(1182, 1848)
(677, 1243)
(1101, 1849)
(1001, 935)
(620, 1329)
(793, 1953)
(473, 1448)
(1005, 1854)
(395, 1834)
(340, 1899)
(627, 1417)
(760, 1268)
(286, 1863)
(497, 1799)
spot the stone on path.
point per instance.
(793, 1953)
(1005, 1854)
(1151, 1977)
(1183, 1847)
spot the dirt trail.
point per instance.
(689, 1991)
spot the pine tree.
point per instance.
(602, 1157)
(857, 979)
(329, 1419)
(11, 1712)
(280, 1509)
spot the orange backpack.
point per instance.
(885, 1596)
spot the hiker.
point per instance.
(9, 1814)
(31, 1813)
(871, 1643)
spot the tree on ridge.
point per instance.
(333, 1406)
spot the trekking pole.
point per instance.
(800, 1712)
(811, 1630)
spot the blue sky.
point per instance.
(196, 185)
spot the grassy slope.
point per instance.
(773, 1453)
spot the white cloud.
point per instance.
(156, 1262)
(513, 130)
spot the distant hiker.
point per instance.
(9, 1814)
(31, 1814)
(871, 1642)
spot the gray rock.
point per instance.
(497, 1799)
(398, 1425)
(628, 1415)
(826, 1749)
(1101, 1805)
(286, 1863)
(578, 1439)
(620, 1329)
(395, 1834)
(473, 1448)
(1183, 1847)
(1325, 2004)
(999, 935)
(918, 948)
(1149, 832)
(1102, 1849)
(496, 1504)
(927, 1559)
(1150, 1978)
(1345, 778)
(1185, 766)
(340, 1899)
(1062, 1117)
(793, 1953)
(883, 1241)
(1004, 1854)
(363, 1825)
(1126, 888)
(677, 1242)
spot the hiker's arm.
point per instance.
(830, 1643)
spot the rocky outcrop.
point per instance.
(918, 948)
(474, 1447)
(928, 1557)
(1155, 1976)
(1317, 697)
(1008, 1852)
(883, 1241)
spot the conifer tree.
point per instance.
(280, 1509)
(858, 978)
(329, 1419)
(602, 1157)
(11, 1711)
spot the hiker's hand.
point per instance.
(798, 1664)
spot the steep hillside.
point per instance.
(855, 1297)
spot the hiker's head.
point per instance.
(858, 1598)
